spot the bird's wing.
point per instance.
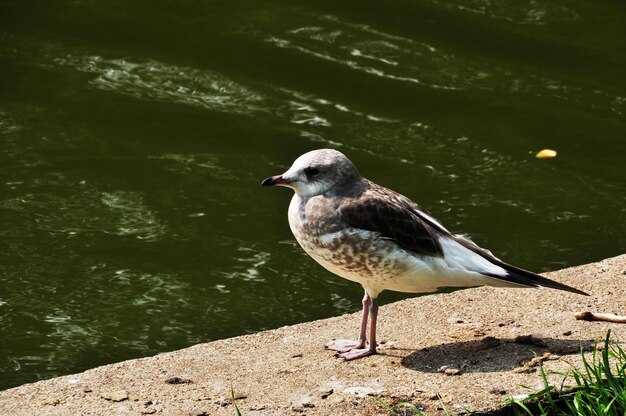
(394, 217)
(398, 218)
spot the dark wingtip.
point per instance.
(572, 290)
(529, 279)
(580, 292)
(545, 282)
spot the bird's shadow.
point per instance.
(492, 354)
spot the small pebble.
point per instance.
(178, 380)
(452, 372)
(222, 401)
(115, 396)
(326, 393)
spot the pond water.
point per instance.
(134, 137)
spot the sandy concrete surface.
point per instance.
(467, 350)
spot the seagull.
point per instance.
(381, 239)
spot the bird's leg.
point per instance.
(355, 353)
(343, 345)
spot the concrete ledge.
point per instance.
(463, 347)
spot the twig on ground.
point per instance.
(608, 317)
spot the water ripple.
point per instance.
(252, 265)
(154, 80)
(134, 217)
(120, 213)
(365, 49)
(524, 13)
(206, 163)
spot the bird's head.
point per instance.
(317, 172)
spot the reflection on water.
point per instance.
(524, 13)
(87, 211)
(131, 217)
(134, 217)
(377, 53)
(206, 164)
(253, 262)
(152, 80)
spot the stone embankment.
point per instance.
(467, 350)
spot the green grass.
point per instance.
(232, 395)
(598, 389)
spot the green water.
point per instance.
(134, 137)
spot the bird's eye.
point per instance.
(311, 172)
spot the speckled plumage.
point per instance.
(326, 226)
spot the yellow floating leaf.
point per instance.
(546, 154)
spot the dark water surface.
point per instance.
(134, 136)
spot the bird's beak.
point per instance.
(274, 180)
